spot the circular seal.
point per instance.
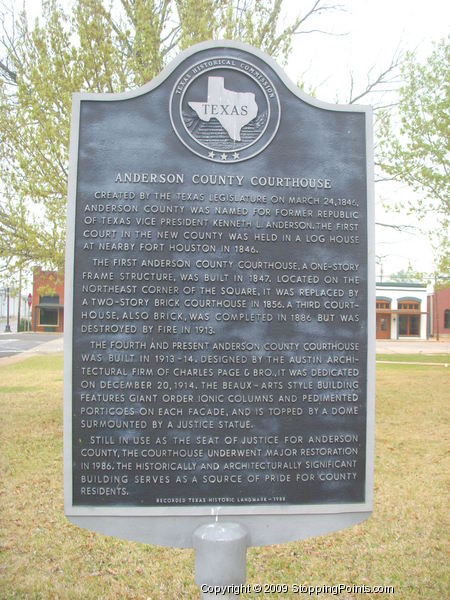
(225, 109)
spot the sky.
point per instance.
(374, 31)
(370, 34)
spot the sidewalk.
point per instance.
(413, 347)
(51, 347)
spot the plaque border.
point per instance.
(174, 525)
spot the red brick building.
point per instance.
(439, 311)
(48, 301)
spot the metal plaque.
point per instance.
(219, 330)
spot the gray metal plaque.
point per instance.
(219, 305)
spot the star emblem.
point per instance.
(223, 156)
(211, 154)
(236, 155)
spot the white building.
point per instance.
(13, 309)
(401, 310)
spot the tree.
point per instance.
(418, 154)
(98, 47)
(409, 274)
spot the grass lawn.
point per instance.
(404, 543)
(443, 359)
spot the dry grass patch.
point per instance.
(404, 544)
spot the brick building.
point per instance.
(48, 301)
(439, 311)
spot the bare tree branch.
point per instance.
(403, 228)
(320, 31)
(377, 84)
(9, 75)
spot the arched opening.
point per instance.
(409, 317)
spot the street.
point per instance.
(16, 343)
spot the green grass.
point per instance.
(423, 358)
(404, 543)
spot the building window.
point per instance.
(48, 317)
(54, 299)
(383, 304)
(408, 305)
(447, 318)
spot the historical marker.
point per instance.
(220, 305)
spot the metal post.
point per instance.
(7, 328)
(220, 553)
(436, 308)
(19, 298)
